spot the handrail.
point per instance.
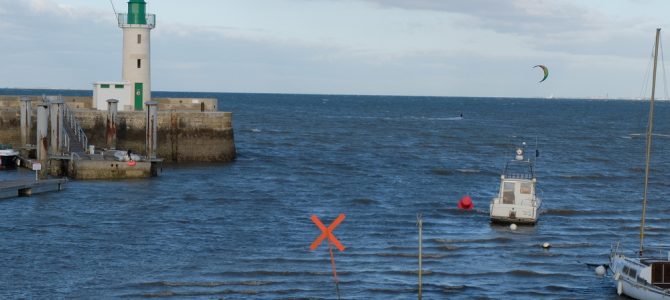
(80, 134)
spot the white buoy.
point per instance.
(546, 245)
(512, 226)
(600, 270)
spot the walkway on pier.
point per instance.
(27, 187)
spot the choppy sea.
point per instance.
(242, 230)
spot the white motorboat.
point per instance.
(517, 201)
(645, 274)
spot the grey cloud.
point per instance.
(534, 17)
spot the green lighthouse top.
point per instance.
(137, 12)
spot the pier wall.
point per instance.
(74, 102)
(183, 135)
(10, 130)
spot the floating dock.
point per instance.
(28, 187)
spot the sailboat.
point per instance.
(646, 275)
(517, 201)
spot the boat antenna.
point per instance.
(650, 128)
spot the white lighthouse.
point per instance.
(135, 88)
(137, 25)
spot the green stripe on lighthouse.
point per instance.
(137, 12)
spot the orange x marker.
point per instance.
(327, 232)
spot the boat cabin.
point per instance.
(660, 272)
(647, 271)
(518, 183)
(516, 201)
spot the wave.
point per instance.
(475, 241)
(570, 245)
(442, 171)
(585, 176)
(455, 118)
(171, 294)
(461, 171)
(577, 212)
(468, 170)
(364, 201)
(424, 255)
(277, 273)
(413, 289)
(207, 283)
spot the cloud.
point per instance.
(416, 47)
(535, 17)
(46, 44)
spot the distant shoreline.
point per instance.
(75, 92)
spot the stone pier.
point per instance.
(189, 135)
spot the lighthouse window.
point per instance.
(139, 63)
(139, 38)
(104, 86)
(118, 86)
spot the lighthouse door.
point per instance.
(138, 95)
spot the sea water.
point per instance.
(242, 230)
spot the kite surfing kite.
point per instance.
(545, 70)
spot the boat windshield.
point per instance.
(519, 170)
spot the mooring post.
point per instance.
(26, 121)
(42, 138)
(112, 108)
(420, 224)
(56, 118)
(152, 129)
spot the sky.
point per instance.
(475, 48)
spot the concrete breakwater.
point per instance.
(189, 130)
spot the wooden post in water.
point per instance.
(420, 223)
(42, 136)
(110, 133)
(26, 122)
(56, 118)
(332, 262)
(152, 129)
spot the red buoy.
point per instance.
(131, 163)
(466, 203)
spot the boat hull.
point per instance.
(503, 220)
(634, 287)
(517, 214)
(643, 292)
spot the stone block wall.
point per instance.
(10, 132)
(72, 101)
(182, 136)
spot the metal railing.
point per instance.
(122, 19)
(73, 124)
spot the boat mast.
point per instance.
(650, 127)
